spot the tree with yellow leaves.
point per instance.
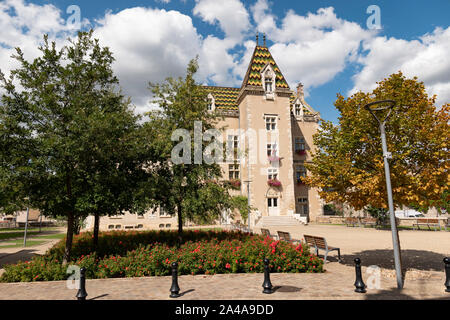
(347, 165)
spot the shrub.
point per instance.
(207, 253)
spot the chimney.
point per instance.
(300, 92)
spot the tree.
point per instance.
(69, 126)
(190, 190)
(348, 164)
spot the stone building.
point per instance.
(268, 129)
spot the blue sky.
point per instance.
(326, 45)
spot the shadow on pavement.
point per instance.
(416, 259)
(22, 255)
(187, 291)
(286, 289)
(100, 296)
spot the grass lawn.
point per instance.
(50, 236)
(19, 243)
(12, 235)
(7, 230)
(20, 234)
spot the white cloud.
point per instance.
(427, 58)
(148, 45)
(23, 25)
(231, 16)
(311, 49)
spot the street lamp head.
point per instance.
(385, 105)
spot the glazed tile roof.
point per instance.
(225, 98)
(261, 57)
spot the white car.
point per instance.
(408, 213)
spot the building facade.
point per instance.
(268, 129)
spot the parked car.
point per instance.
(408, 213)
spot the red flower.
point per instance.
(227, 266)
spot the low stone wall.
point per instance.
(404, 222)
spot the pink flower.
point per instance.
(227, 266)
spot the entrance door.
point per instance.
(273, 206)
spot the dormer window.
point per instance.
(298, 109)
(268, 82)
(211, 103)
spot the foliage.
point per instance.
(72, 133)
(381, 214)
(348, 167)
(241, 204)
(187, 189)
(205, 253)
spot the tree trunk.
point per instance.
(96, 227)
(69, 237)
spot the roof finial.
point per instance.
(257, 38)
(264, 39)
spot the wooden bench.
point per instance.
(369, 222)
(321, 243)
(286, 236)
(266, 232)
(351, 221)
(429, 222)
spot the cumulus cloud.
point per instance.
(23, 25)
(311, 49)
(231, 15)
(427, 58)
(148, 45)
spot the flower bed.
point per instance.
(208, 252)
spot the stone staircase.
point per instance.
(269, 221)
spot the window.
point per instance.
(233, 171)
(300, 171)
(268, 80)
(118, 226)
(211, 103)
(271, 149)
(271, 123)
(303, 205)
(298, 108)
(272, 173)
(299, 144)
(233, 146)
(111, 226)
(268, 83)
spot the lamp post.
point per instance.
(387, 155)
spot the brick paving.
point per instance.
(335, 284)
(422, 254)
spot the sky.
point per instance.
(331, 47)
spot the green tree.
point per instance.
(190, 190)
(70, 126)
(347, 165)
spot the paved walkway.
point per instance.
(422, 254)
(336, 283)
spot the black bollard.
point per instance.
(359, 284)
(82, 294)
(174, 289)
(267, 285)
(447, 274)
